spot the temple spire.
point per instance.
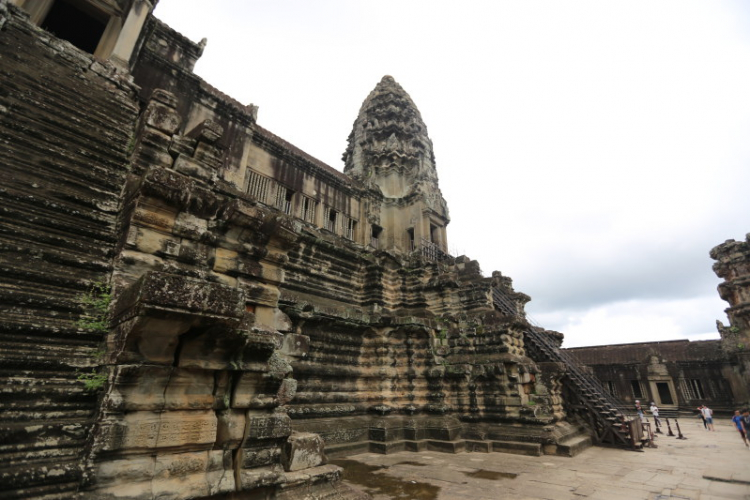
(390, 151)
(389, 136)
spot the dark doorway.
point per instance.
(665, 395)
(637, 392)
(70, 23)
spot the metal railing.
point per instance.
(608, 418)
(431, 251)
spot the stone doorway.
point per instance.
(665, 397)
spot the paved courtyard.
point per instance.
(705, 466)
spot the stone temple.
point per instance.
(192, 307)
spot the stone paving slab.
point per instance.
(705, 466)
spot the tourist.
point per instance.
(655, 412)
(638, 409)
(700, 414)
(708, 415)
(737, 419)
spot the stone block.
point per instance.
(138, 388)
(415, 446)
(478, 446)
(141, 430)
(153, 242)
(162, 118)
(230, 428)
(446, 446)
(518, 448)
(225, 260)
(273, 426)
(208, 131)
(281, 321)
(188, 225)
(154, 215)
(223, 349)
(386, 434)
(135, 490)
(176, 465)
(246, 389)
(386, 448)
(190, 389)
(278, 367)
(261, 455)
(182, 293)
(258, 478)
(220, 472)
(192, 168)
(303, 450)
(261, 294)
(165, 97)
(287, 391)
(140, 339)
(295, 345)
(130, 470)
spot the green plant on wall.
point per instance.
(95, 318)
(442, 334)
(96, 303)
(92, 381)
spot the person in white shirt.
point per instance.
(655, 412)
(708, 415)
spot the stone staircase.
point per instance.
(65, 127)
(604, 415)
(608, 420)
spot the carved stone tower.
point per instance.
(733, 265)
(389, 150)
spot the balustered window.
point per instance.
(350, 228)
(331, 216)
(611, 388)
(258, 186)
(697, 389)
(284, 198)
(308, 208)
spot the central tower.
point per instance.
(389, 151)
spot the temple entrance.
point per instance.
(665, 395)
(68, 21)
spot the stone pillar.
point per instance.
(131, 30)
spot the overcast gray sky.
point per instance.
(594, 151)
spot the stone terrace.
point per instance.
(706, 466)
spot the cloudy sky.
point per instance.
(593, 151)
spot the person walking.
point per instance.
(700, 414)
(655, 412)
(738, 422)
(708, 415)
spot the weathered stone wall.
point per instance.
(695, 372)
(195, 369)
(67, 124)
